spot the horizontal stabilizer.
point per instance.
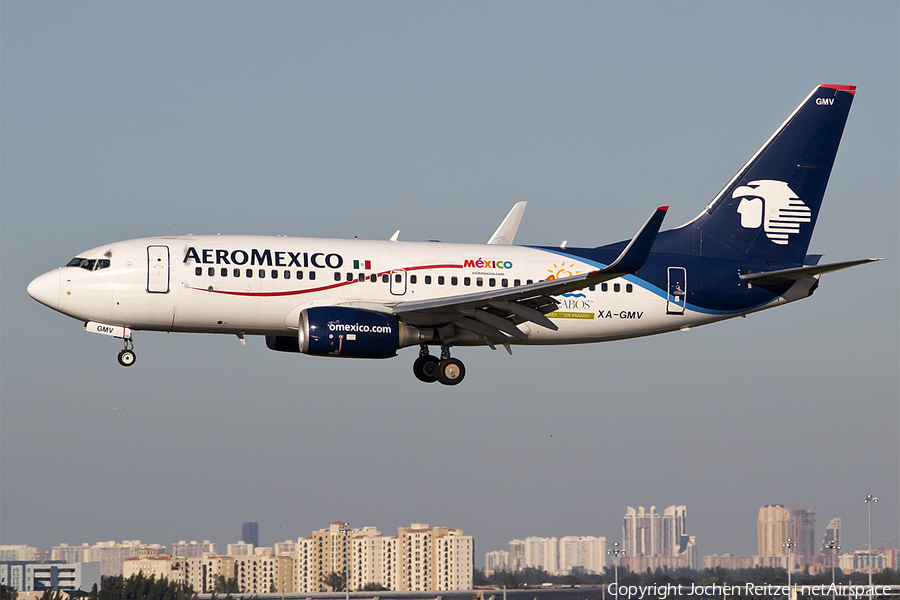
(794, 274)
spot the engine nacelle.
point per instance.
(348, 332)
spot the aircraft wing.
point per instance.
(494, 313)
(796, 273)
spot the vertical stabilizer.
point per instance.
(769, 209)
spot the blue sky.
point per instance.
(342, 119)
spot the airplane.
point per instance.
(745, 252)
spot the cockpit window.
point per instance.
(89, 264)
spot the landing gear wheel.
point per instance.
(126, 357)
(450, 371)
(425, 368)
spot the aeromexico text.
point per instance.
(286, 258)
(267, 257)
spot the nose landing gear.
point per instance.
(126, 356)
(446, 370)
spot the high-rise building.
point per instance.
(662, 537)
(652, 534)
(418, 558)
(33, 577)
(803, 532)
(239, 549)
(285, 547)
(250, 533)
(585, 552)
(203, 573)
(495, 561)
(832, 532)
(193, 549)
(542, 553)
(150, 563)
(18, 552)
(773, 529)
(516, 559)
(109, 554)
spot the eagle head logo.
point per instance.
(773, 205)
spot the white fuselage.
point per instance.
(258, 285)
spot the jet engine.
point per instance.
(347, 332)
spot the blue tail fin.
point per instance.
(768, 210)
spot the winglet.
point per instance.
(636, 252)
(506, 233)
(396, 236)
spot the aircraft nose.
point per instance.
(45, 289)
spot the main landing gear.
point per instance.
(126, 356)
(447, 370)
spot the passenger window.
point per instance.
(224, 271)
(262, 273)
(385, 278)
(198, 271)
(604, 287)
(617, 287)
(274, 274)
(454, 281)
(467, 281)
(440, 280)
(337, 276)
(398, 278)
(492, 282)
(249, 273)
(312, 274)
(349, 276)
(479, 282)
(428, 280)
(529, 282)
(211, 271)
(373, 277)
(504, 282)
(593, 288)
(361, 277)
(629, 288)
(237, 272)
(299, 274)
(516, 283)
(412, 278)
(287, 274)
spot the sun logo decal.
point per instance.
(561, 270)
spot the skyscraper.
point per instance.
(832, 532)
(773, 529)
(250, 533)
(803, 533)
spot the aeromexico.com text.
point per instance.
(357, 328)
(265, 257)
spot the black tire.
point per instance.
(126, 358)
(425, 368)
(451, 371)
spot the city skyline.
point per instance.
(338, 120)
(770, 538)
